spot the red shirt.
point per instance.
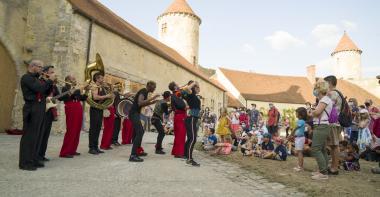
(273, 117)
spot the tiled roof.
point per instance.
(104, 17)
(180, 6)
(346, 44)
(286, 89)
(270, 88)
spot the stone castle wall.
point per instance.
(347, 65)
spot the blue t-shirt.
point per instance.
(268, 146)
(281, 151)
(212, 139)
(300, 132)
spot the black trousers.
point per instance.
(191, 133)
(138, 132)
(33, 117)
(48, 121)
(157, 123)
(116, 130)
(96, 119)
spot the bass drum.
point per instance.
(123, 107)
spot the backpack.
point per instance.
(333, 116)
(345, 115)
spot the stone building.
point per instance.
(284, 91)
(68, 34)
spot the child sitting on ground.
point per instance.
(211, 140)
(249, 146)
(266, 147)
(351, 161)
(280, 152)
(299, 133)
(224, 148)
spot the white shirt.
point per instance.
(324, 117)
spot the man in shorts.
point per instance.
(336, 130)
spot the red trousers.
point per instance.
(109, 124)
(74, 118)
(127, 132)
(179, 133)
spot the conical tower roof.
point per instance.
(346, 44)
(180, 6)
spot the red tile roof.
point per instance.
(180, 6)
(270, 88)
(286, 89)
(104, 17)
(346, 44)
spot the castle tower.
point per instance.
(178, 27)
(347, 59)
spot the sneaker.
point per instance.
(93, 152)
(45, 159)
(315, 173)
(184, 158)
(298, 169)
(160, 152)
(116, 144)
(134, 158)
(375, 170)
(99, 151)
(192, 163)
(333, 173)
(28, 168)
(320, 177)
(76, 154)
(39, 164)
(143, 154)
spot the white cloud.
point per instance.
(349, 25)
(249, 49)
(281, 40)
(327, 35)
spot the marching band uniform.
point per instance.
(74, 118)
(96, 117)
(50, 116)
(109, 123)
(127, 131)
(34, 93)
(117, 122)
(179, 108)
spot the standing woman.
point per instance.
(191, 122)
(321, 131)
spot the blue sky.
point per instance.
(275, 37)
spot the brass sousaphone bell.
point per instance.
(89, 72)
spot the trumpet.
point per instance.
(46, 77)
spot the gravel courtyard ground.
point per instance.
(111, 174)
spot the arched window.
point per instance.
(164, 27)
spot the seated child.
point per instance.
(279, 152)
(266, 147)
(210, 141)
(351, 161)
(224, 148)
(249, 146)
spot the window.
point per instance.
(164, 27)
(194, 60)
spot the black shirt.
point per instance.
(31, 86)
(74, 96)
(177, 103)
(160, 109)
(193, 101)
(135, 107)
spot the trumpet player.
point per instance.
(74, 116)
(50, 115)
(96, 115)
(34, 94)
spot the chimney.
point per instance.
(311, 73)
